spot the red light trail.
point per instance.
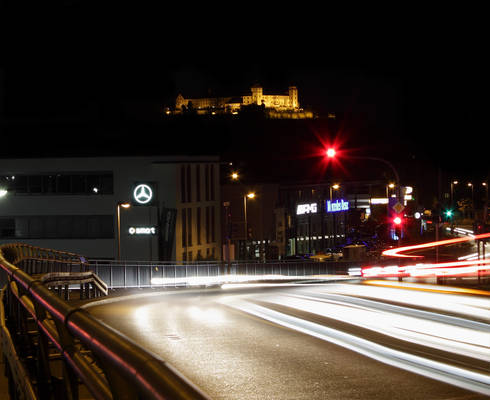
(453, 268)
(396, 252)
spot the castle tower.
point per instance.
(293, 97)
(179, 102)
(257, 93)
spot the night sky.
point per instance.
(416, 103)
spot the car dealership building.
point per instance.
(133, 208)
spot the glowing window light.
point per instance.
(379, 201)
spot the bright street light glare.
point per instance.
(330, 153)
(3, 192)
(251, 195)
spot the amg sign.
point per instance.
(306, 209)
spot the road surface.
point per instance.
(377, 340)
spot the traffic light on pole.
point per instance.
(448, 214)
(397, 220)
(330, 152)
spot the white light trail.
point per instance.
(451, 374)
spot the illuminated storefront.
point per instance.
(322, 227)
(318, 218)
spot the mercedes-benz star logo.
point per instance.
(143, 194)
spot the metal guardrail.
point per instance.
(90, 284)
(58, 351)
(141, 274)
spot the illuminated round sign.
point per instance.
(142, 194)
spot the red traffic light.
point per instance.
(330, 153)
(397, 220)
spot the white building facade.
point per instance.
(71, 204)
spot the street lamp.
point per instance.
(452, 191)
(335, 186)
(471, 186)
(234, 176)
(485, 208)
(250, 195)
(119, 205)
(389, 186)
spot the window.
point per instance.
(184, 228)
(211, 173)
(35, 184)
(58, 227)
(189, 184)
(78, 184)
(198, 225)
(7, 227)
(49, 184)
(207, 225)
(63, 183)
(213, 239)
(189, 227)
(182, 184)
(198, 182)
(206, 183)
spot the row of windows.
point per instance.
(58, 227)
(209, 225)
(73, 183)
(210, 255)
(190, 188)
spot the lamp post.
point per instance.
(119, 205)
(389, 186)
(452, 192)
(472, 191)
(485, 206)
(250, 195)
(335, 187)
(332, 153)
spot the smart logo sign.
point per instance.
(306, 209)
(143, 194)
(338, 205)
(142, 230)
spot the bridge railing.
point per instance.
(141, 274)
(55, 350)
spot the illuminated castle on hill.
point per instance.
(276, 105)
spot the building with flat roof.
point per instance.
(74, 204)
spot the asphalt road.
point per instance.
(322, 341)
